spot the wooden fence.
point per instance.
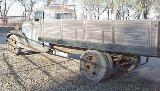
(12, 20)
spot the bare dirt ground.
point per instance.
(38, 73)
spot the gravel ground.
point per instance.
(39, 73)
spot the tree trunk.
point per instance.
(25, 13)
(128, 14)
(145, 13)
(123, 15)
(31, 9)
(118, 15)
(91, 15)
(98, 16)
(138, 16)
(108, 14)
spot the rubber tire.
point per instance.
(105, 61)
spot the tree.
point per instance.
(100, 6)
(49, 2)
(143, 8)
(28, 6)
(121, 9)
(97, 7)
(5, 6)
(61, 2)
(157, 5)
(94, 8)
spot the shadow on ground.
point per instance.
(54, 75)
(127, 82)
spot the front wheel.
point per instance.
(95, 66)
(13, 44)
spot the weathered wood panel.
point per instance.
(72, 28)
(98, 31)
(132, 33)
(154, 33)
(51, 28)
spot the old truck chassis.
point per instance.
(106, 45)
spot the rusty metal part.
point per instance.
(68, 50)
(128, 62)
(95, 66)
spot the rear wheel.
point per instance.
(13, 44)
(95, 65)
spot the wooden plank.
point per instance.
(131, 33)
(154, 33)
(98, 31)
(72, 29)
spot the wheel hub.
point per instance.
(94, 66)
(13, 44)
(91, 66)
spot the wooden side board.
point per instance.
(136, 36)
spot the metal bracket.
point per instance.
(147, 60)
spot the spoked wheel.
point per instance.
(95, 66)
(13, 44)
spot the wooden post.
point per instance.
(113, 32)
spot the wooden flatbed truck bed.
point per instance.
(139, 37)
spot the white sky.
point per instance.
(17, 9)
